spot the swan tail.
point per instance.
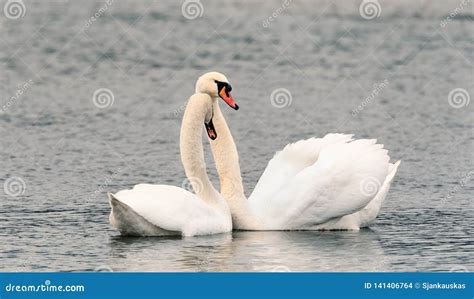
(113, 201)
(117, 212)
(368, 214)
(129, 222)
(392, 169)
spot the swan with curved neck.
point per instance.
(157, 210)
(227, 163)
(313, 184)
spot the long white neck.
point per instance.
(192, 154)
(226, 158)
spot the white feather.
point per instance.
(330, 188)
(170, 210)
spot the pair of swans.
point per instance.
(329, 183)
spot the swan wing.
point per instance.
(339, 183)
(367, 215)
(170, 209)
(287, 163)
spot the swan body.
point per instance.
(162, 210)
(313, 184)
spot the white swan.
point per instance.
(326, 183)
(158, 210)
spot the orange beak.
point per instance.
(223, 94)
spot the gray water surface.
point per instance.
(66, 152)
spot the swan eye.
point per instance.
(221, 85)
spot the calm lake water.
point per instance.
(388, 78)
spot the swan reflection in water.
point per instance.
(260, 251)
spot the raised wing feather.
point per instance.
(330, 188)
(287, 163)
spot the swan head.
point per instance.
(216, 85)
